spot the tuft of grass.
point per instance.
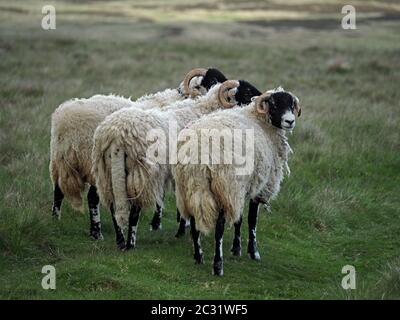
(390, 283)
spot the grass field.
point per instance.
(340, 205)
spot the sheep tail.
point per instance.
(64, 174)
(118, 179)
(71, 185)
(203, 207)
(223, 190)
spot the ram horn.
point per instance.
(191, 74)
(297, 106)
(259, 102)
(224, 98)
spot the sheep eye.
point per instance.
(197, 87)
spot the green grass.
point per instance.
(340, 205)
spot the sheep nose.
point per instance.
(290, 122)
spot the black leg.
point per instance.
(198, 253)
(58, 198)
(156, 222)
(132, 228)
(218, 268)
(182, 225)
(119, 235)
(252, 219)
(237, 246)
(94, 213)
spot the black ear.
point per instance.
(212, 77)
(245, 92)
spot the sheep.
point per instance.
(211, 194)
(126, 175)
(72, 128)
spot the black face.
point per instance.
(212, 77)
(245, 92)
(280, 103)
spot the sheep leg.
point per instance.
(252, 249)
(236, 246)
(198, 253)
(182, 225)
(94, 213)
(218, 268)
(58, 198)
(156, 221)
(132, 228)
(119, 235)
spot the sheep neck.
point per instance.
(197, 108)
(277, 135)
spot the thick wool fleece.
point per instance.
(203, 189)
(123, 171)
(73, 125)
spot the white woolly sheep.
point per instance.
(126, 175)
(210, 194)
(72, 129)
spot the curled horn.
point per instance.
(260, 100)
(224, 97)
(297, 107)
(191, 74)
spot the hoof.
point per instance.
(180, 233)
(255, 256)
(218, 269)
(129, 247)
(130, 244)
(198, 259)
(121, 244)
(56, 214)
(96, 235)
(236, 251)
(155, 226)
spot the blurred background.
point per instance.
(339, 206)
